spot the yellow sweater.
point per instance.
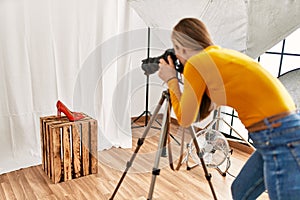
(229, 78)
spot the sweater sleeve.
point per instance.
(186, 104)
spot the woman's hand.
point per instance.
(166, 71)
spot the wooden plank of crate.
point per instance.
(48, 151)
(76, 149)
(56, 176)
(94, 152)
(45, 148)
(42, 133)
(49, 121)
(50, 155)
(67, 154)
(44, 140)
(85, 147)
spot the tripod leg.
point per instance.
(139, 144)
(207, 175)
(161, 146)
(136, 119)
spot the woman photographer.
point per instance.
(218, 76)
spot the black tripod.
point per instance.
(161, 147)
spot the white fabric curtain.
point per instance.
(48, 51)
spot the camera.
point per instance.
(150, 65)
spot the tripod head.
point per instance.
(166, 93)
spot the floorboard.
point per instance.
(32, 183)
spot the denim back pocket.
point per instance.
(294, 147)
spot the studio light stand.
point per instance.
(147, 113)
(162, 145)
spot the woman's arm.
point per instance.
(186, 104)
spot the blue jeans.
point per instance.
(274, 166)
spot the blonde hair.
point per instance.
(192, 33)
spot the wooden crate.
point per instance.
(69, 149)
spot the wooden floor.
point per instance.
(32, 183)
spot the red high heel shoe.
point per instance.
(72, 116)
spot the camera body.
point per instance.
(150, 65)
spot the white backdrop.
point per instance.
(46, 48)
